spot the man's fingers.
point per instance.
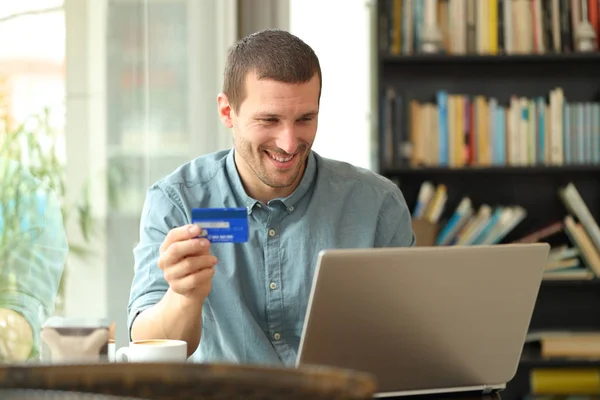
(189, 266)
(179, 234)
(180, 250)
(193, 281)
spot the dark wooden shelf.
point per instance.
(531, 358)
(542, 169)
(570, 283)
(536, 362)
(491, 59)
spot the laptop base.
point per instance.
(451, 392)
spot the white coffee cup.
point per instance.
(153, 350)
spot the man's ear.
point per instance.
(225, 110)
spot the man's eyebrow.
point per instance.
(261, 115)
(309, 114)
(266, 115)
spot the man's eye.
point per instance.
(305, 119)
(269, 120)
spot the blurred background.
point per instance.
(485, 113)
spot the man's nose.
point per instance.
(286, 140)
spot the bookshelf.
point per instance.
(532, 59)
(532, 69)
(534, 188)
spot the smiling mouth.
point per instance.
(279, 158)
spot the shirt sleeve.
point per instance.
(162, 212)
(35, 261)
(394, 227)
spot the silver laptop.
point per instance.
(424, 319)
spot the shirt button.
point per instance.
(272, 232)
(273, 285)
(291, 208)
(277, 336)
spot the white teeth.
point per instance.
(280, 159)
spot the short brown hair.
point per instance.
(273, 54)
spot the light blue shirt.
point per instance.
(256, 307)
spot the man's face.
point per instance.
(274, 130)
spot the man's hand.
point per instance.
(16, 336)
(186, 262)
(188, 268)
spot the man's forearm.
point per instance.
(173, 317)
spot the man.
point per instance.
(246, 302)
(33, 251)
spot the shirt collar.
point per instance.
(306, 183)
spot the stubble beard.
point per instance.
(256, 160)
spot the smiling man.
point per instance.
(274, 131)
(246, 303)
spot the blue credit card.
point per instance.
(222, 225)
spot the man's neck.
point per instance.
(268, 193)
(256, 189)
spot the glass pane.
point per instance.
(33, 210)
(148, 117)
(99, 99)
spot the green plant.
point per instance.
(34, 147)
